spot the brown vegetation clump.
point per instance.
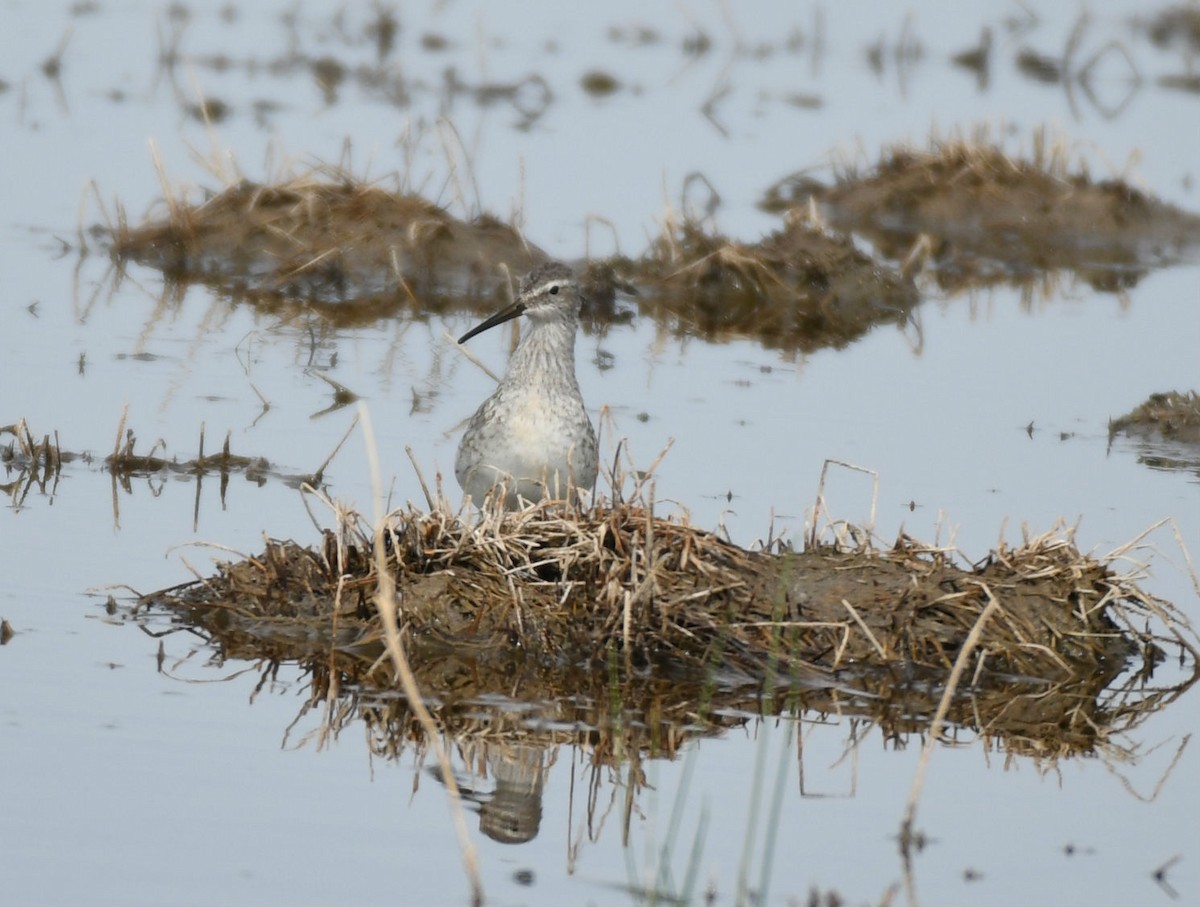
(355, 252)
(801, 287)
(330, 242)
(615, 608)
(578, 588)
(37, 464)
(1173, 415)
(980, 213)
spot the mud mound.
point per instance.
(329, 243)
(355, 253)
(986, 214)
(801, 287)
(553, 606)
(1166, 429)
(570, 590)
(1173, 415)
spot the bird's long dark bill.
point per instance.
(499, 318)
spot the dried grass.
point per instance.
(1173, 415)
(801, 287)
(574, 588)
(327, 238)
(979, 215)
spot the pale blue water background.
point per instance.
(122, 785)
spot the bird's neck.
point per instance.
(546, 351)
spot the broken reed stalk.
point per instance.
(412, 458)
(319, 475)
(939, 717)
(819, 505)
(469, 356)
(1163, 613)
(866, 630)
(116, 454)
(386, 601)
(175, 209)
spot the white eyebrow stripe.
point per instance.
(545, 285)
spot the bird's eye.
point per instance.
(554, 290)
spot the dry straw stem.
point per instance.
(387, 600)
(26, 453)
(1175, 621)
(820, 507)
(936, 725)
(29, 463)
(470, 356)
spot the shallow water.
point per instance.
(128, 783)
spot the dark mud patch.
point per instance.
(560, 607)
(1167, 426)
(979, 216)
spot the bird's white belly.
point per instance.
(533, 446)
